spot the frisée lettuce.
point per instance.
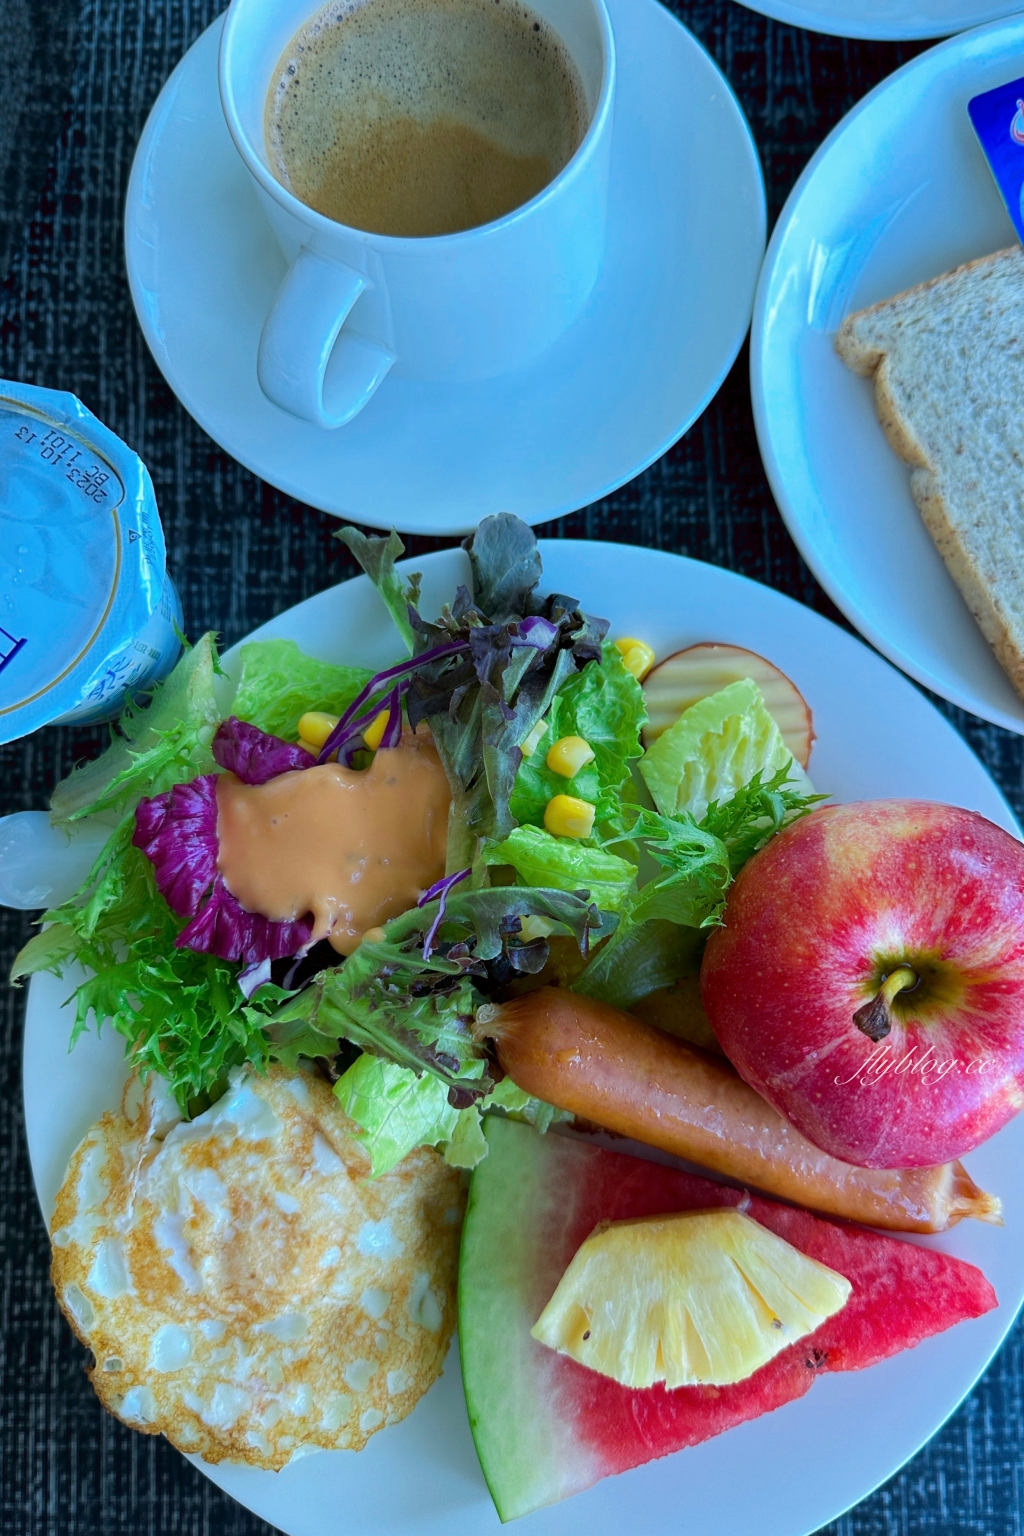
(153, 748)
(182, 1014)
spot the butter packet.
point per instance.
(998, 119)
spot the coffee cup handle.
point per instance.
(308, 364)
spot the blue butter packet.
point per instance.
(998, 118)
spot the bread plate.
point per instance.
(884, 19)
(803, 1465)
(898, 193)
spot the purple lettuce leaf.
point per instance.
(177, 831)
(253, 755)
(439, 892)
(223, 927)
(533, 631)
(393, 729)
(350, 741)
(378, 685)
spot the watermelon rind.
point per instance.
(508, 1377)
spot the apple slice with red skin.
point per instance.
(869, 980)
(691, 675)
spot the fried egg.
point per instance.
(244, 1287)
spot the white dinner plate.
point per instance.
(885, 19)
(791, 1471)
(898, 193)
(686, 231)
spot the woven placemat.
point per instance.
(240, 552)
(36, 63)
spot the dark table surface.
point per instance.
(77, 78)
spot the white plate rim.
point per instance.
(178, 382)
(790, 512)
(734, 589)
(850, 25)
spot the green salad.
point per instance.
(618, 858)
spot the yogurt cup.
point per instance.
(88, 613)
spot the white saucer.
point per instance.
(885, 19)
(898, 193)
(791, 1471)
(662, 328)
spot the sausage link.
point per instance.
(610, 1068)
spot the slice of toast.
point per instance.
(947, 359)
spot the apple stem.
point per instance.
(875, 1018)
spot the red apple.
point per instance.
(869, 980)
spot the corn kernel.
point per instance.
(637, 657)
(569, 755)
(534, 739)
(315, 728)
(375, 730)
(309, 746)
(565, 816)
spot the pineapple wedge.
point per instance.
(700, 1299)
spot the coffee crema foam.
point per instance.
(423, 117)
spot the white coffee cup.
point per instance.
(453, 308)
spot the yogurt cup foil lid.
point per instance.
(87, 611)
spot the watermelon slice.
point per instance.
(546, 1427)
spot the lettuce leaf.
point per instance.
(397, 1111)
(698, 862)
(749, 820)
(48, 950)
(377, 557)
(468, 1145)
(278, 683)
(541, 859)
(724, 782)
(714, 749)
(181, 1014)
(485, 672)
(383, 1015)
(695, 872)
(520, 1106)
(649, 956)
(418, 1012)
(506, 566)
(605, 705)
(157, 747)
